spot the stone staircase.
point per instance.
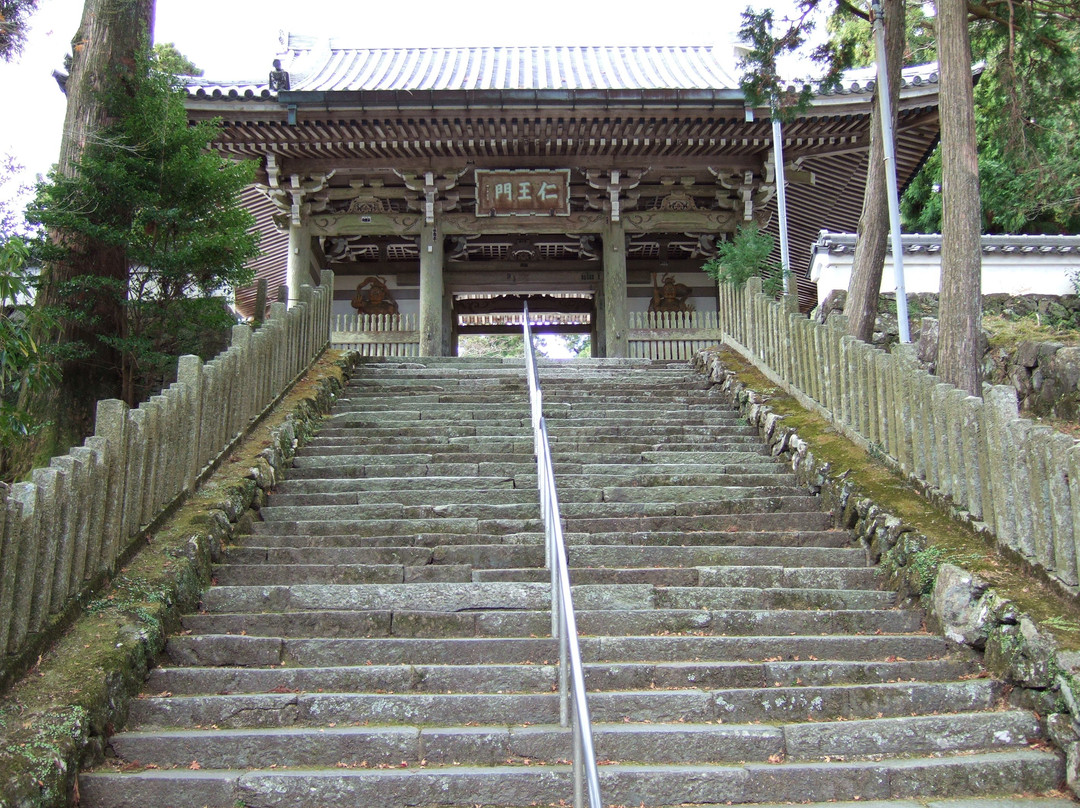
(382, 637)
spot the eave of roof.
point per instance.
(930, 243)
(427, 78)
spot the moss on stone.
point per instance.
(947, 538)
(59, 716)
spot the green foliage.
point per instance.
(149, 190)
(170, 60)
(746, 256)
(762, 82)
(14, 16)
(1027, 104)
(25, 370)
(578, 344)
(491, 345)
(853, 35)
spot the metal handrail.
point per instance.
(563, 622)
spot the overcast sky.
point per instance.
(237, 39)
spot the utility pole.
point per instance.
(878, 20)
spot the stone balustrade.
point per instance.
(66, 529)
(1016, 479)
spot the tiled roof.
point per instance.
(915, 243)
(326, 65)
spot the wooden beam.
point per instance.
(680, 221)
(365, 224)
(515, 281)
(466, 224)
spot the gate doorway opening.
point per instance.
(485, 323)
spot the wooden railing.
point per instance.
(376, 334)
(672, 334)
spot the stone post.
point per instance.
(135, 431)
(29, 574)
(616, 316)
(160, 463)
(241, 341)
(1057, 448)
(926, 427)
(751, 289)
(189, 372)
(277, 318)
(110, 424)
(299, 266)
(260, 302)
(1000, 408)
(100, 469)
(84, 512)
(1071, 452)
(51, 499)
(976, 460)
(943, 468)
(1018, 435)
(958, 458)
(326, 281)
(66, 525)
(900, 358)
(9, 557)
(1042, 517)
(432, 290)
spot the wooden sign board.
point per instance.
(521, 192)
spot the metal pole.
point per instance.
(781, 196)
(579, 768)
(885, 111)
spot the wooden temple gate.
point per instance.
(599, 178)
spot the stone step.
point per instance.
(382, 637)
(417, 622)
(398, 527)
(556, 431)
(501, 597)
(661, 495)
(748, 502)
(231, 650)
(565, 471)
(458, 446)
(621, 445)
(476, 556)
(652, 785)
(734, 705)
(754, 577)
(781, 520)
(480, 455)
(791, 539)
(538, 678)
(420, 496)
(416, 470)
(569, 485)
(548, 744)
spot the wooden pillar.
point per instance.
(596, 338)
(299, 260)
(434, 333)
(614, 301)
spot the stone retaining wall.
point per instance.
(958, 604)
(66, 531)
(1007, 476)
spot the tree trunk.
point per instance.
(872, 235)
(104, 50)
(959, 362)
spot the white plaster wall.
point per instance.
(1009, 274)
